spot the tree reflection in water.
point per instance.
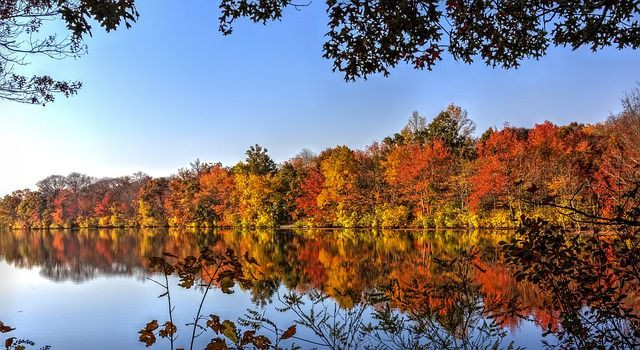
(592, 280)
(379, 289)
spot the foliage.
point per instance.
(368, 37)
(209, 269)
(445, 313)
(592, 277)
(22, 23)
(13, 343)
(151, 201)
(420, 174)
(458, 278)
(363, 38)
(431, 174)
(454, 128)
(258, 162)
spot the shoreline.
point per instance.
(280, 227)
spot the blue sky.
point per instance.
(173, 89)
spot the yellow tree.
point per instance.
(339, 168)
(258, 201)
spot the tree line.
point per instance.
(430, 174)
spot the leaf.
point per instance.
(9, 342)
(261, 342)
(214, 323)
(152, 326)
(147, 337)
(4, 328)
(289, 332)
(217, 344)
(146, 334)
(186, 282)
(169, 330)
(226, 284)
(247, 337)
(230, 331)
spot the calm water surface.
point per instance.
(90, 288)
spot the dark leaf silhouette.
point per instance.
(5, 328)
(217, 344)
(290, 332)
(146, 334)
(168, 330)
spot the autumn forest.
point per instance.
(434, 173)
(438, 234)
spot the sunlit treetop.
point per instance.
(258, 162)
(452, 126)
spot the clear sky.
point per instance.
(173, 89)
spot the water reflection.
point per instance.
(444, 289)
(317, 259)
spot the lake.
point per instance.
(94, 289)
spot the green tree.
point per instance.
(258, 202)
(455, 129)
(258, 161)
